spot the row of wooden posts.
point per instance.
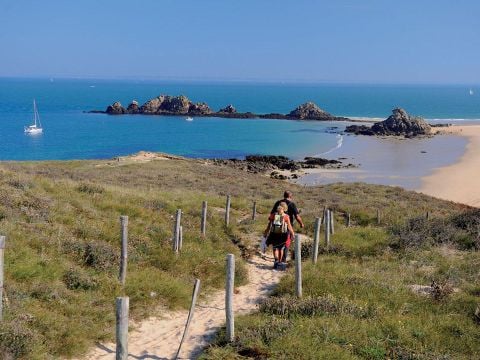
(122, 303)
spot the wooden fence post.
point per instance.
(180, 238)
(2, 249)
(196, 289)
(316, 239)
(378, 217)
(176, 230)
(298, 266)
(229, 297)
(324, 214)
(348, 219)
(203, 225)
(124, 250)
(427, 215)
(327, 230)
(254, 211)
(122, 328)
(331, 217)
(227, 211)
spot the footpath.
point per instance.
(159, 337)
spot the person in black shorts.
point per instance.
(292, 213)
(278, 231)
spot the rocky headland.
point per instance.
(279, 167)
(183, 106)
(400, 123)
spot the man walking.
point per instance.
(293, 214)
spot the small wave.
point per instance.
(375, 119)
(365, 118)
(453, 119)
(337, 146)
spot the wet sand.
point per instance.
(388, 161)
(445, 166)
(459, 182)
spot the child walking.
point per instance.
(279, 230)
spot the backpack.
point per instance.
(279, 225)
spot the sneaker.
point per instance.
(282, 266)
(275, 264)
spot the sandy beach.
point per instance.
(444, 166)
(458, 182)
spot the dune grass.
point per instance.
(358, 305)
(61, 220)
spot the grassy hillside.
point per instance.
(61, 220)
(391, 292)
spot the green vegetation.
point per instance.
(359, 299)
(61, 220)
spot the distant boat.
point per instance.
(188, 118)
(35, 128)
(471, 92)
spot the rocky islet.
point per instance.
(183, 106)
(400, 123)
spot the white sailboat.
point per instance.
(188, 118)
(36, 128)
(471, 92)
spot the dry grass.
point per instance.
(61, 220)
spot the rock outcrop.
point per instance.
(116, 109)
(400, 123)
(272, 164)
(229, 109)
(310, 111)
(181, 105)
(199, 109)
(133, 108)
(165, 104)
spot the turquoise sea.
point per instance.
(70, 133)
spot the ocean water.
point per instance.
(70, 133)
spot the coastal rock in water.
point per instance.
(152, 106)
(181, 105)
(175, 105)
(115, 109)
(315, 161)
(400, 123)
(310, 111)
(199, 109)
(269, 163)
(229, 109)
(359, 130)
(133, 108)
(279, 162)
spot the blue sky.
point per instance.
(374, 41)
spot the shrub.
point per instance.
(461, 230)
(441, 290)
(90, 189)
(75, 279)
(100, 255)
(16, 339)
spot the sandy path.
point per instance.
(158, 338)
(458, 182)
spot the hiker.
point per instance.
(293, 214)
(278, 231)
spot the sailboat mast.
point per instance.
(36, 114)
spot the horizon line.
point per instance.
(233, 80)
